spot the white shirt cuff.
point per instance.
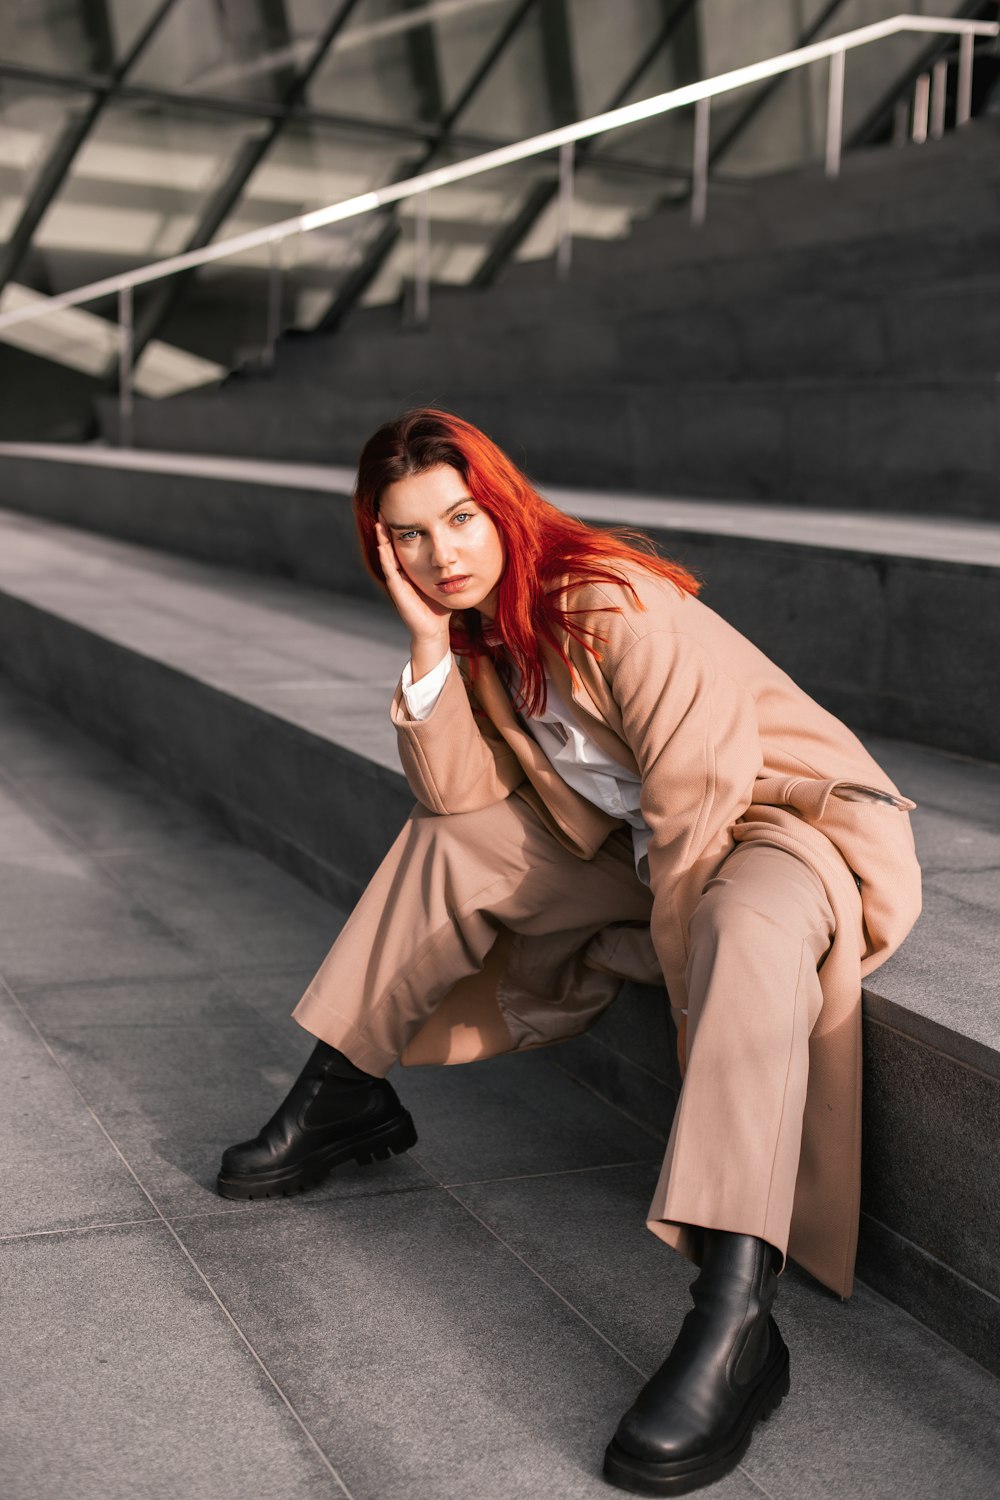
(420, 697)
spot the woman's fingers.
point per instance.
(418, 612)
(386, 555)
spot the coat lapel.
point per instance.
(585, 824)
(596, 711)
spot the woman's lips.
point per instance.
(454, 585)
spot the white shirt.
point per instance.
(577, 758)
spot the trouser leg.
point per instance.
(757, 936)
(431, 914)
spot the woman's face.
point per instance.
(445, 543)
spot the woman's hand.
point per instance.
(426, 620)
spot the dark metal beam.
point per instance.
(97, 26)
(63, 152)
(675, 13)
(421, 48)
(261, 29)
(516, 231)
(251, 109)
(227, 194)
(557, 61)
(356, 283)
(405, 132)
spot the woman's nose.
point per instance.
(442, 551)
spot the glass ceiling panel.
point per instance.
(513, 102)
(466, 218)
(31, 121)
(71, 36)
(307, 167)
(407, 63)
(243, 50)
(606, 48)
(136, 188)
(607, 42)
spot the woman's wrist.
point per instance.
(426, 652)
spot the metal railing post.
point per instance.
(939, 92)
(699, 162)
(564, 242)
(125, 344)
(417, 187)
(422, 262)
(921, 103)
(835, 113)
(963, 102)
(273, 329)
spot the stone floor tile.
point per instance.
(274, 993)
(124, 1378)
(950, 844)
(513, 1115)
(37, 741)
(229, 903)
(23, 830)
(879, 1407)
(118, 807)
(971, 795)
(561, 1223)
(174, 1098)
(951, 938)
(198, 1000)
(57, 1168)
(427, 1359)
(60, 922)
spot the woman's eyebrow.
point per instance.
(396, 526)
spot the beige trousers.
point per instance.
(429, 920)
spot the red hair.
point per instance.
(540, 541)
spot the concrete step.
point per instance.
(212, 679)
(949, 258)
(613, 282)
(946, 328)
(853, 368)
(149, 965)
(879, 617)
(922, 446)
(879, 191)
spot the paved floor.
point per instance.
(468, 1321)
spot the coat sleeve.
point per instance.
(694, 733)
(455, 760)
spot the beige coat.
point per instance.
(729, 749)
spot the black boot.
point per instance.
(693, 1420)
(334, 1113)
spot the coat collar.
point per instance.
(586, 691)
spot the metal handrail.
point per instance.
(564, 137)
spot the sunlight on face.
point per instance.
(445, 543)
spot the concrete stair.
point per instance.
(829, 344)
(879, 617)
(263, 701)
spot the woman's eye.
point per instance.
(462, 515)
(404, 536)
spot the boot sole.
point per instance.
(647, 1477)
(391, 1139)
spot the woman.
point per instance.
(611, 781)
